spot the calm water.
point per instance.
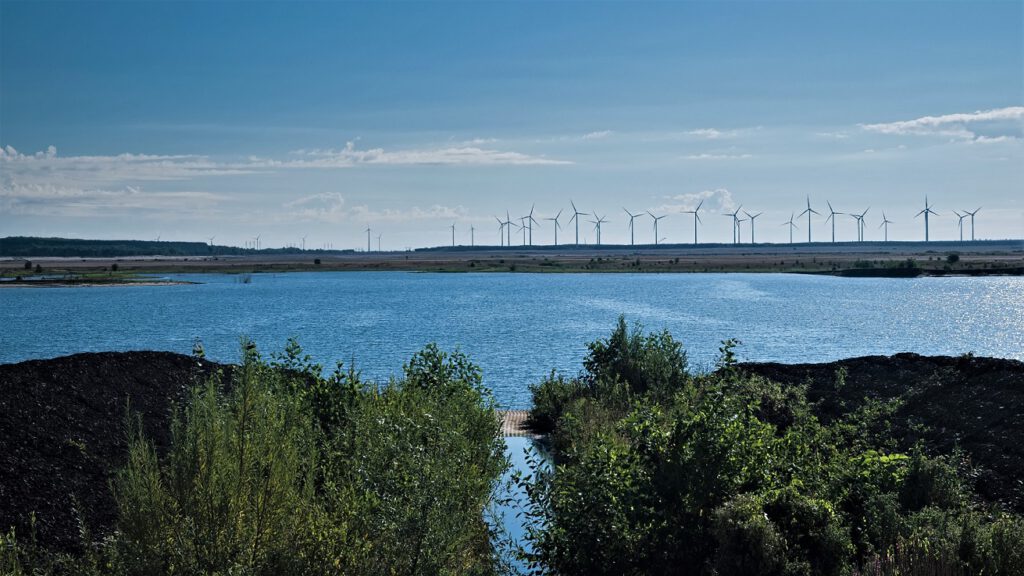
(518, 327)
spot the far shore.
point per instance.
(981, 258)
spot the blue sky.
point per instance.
(230, 119)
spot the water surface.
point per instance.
(518, 327)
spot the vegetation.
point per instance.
(662, 471)
(284, 471)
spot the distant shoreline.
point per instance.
(984, 258)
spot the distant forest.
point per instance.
(30, 247)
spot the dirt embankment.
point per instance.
(975, 404)
(62, 422)
(63, 436)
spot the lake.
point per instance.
(518, 327)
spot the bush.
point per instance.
(550, 399)
(282, 470)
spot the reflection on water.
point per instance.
(510, 515)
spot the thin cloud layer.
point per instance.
(717, 200)
(988, 125)
(331, 207)
(350, 156)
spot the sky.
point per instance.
(193, 120)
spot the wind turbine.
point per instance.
(739, 229)
(576, 216)
(809, 211)
(860, 223)
(472, 236)
(257, 241)
(501, 231)
(453, 234)
(971, 214)
(367, 238)
(752, 216)
(656, 218)
(735, 222)
(508, 228)
(791, 226)
(211, 240)
(631, 218)
(885, 223)
(597, 226)
(529, 221)
(927, 210)
(557, 225)
(378, 242)
(523, 226)
(304, 243)
(696, 219)
(832, 216)
(960, 223)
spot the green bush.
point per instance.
(282, 470)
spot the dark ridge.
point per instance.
(975, 404)
(62, 434)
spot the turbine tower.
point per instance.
(304, 243)
(696, 219)
(885, 223)
(597, 226)
(791, 226)
(576, 216)
(557, 225)
(751, 217)
(378, 242)
(472, 236)
(656, 218)
(927, 210)
(367, 238)
(960, 223)
(508, 229)
(529, 221)
(735, 222)
(501, 231)
(860, 224)
(631, 218)
(809, 211)
(971, 214)
(832, 216)
(453, 234)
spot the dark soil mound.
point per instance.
(62, 434)
(976, 404)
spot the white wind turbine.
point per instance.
(557, 225)
(885, 223)
(656, 218)
(696, 219)
(631, 218)
(971, 214)
(752, 216)
(809, 211)
(791, 225)
(735, 222)
(576, 216)
(927, 210)
(832, 216)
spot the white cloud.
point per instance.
(331, 207)
(597, 135)
(350, 156)
(999, 123)
(706, 156)
(55, 200)
(717, 200)
(712, 133)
